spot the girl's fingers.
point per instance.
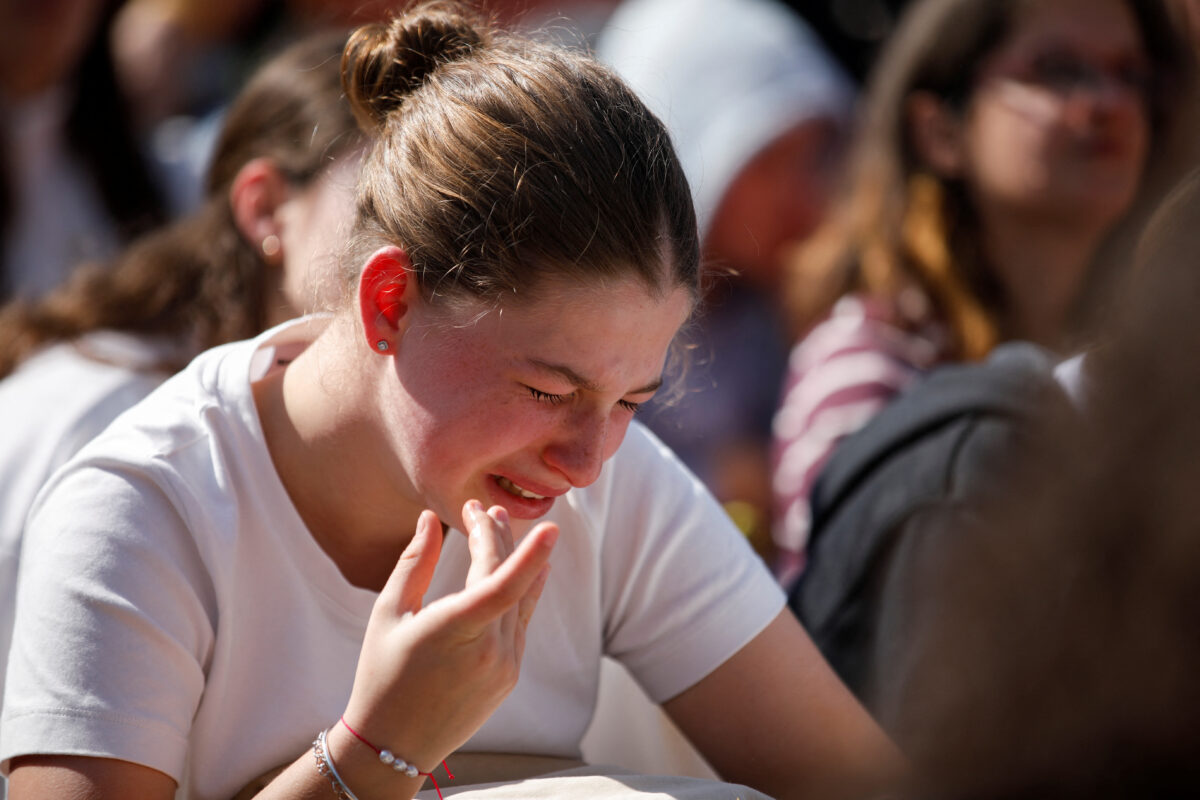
(524, 612)
(496, 593)
(514, 621)
(406, 586)
(488, 537)
(529, 600)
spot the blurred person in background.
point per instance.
(854, 30)
(74, 184)
(180, 61)
(280, 189)
(757, 109)
(1058, 654)
(1002, 143)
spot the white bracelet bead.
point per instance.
(388, 758)
(398, 764)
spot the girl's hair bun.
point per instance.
(385, 62)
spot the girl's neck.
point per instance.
(1042, 266)
(323, 450)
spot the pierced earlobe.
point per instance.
(382, 297)
(271, 245)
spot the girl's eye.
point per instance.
(559, 399)
(546, 397)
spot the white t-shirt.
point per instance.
(175, 612)
(52, 405)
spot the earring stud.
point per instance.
(381, 345)
(270, 245)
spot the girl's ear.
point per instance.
(937, 134)
(386, 289)
(258, 190)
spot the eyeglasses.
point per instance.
(1066, 73)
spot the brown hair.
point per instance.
(500, 161)
(897, 224)
(198, 281)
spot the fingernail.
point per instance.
(500, 514)
(474, 508)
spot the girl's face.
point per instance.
(515, 404)
(1058, 121)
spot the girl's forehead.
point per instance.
(551, 296)
(572, 315)
(602, 338)
(1100, 23)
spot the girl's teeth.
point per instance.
(512, 487)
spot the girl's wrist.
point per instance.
(362, 771)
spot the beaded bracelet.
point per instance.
(327, 769)
(399, 764)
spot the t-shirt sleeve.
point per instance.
(114, 623)
(682, 589)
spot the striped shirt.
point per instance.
(839, 376)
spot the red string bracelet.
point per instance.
(399, 764)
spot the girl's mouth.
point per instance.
(519, 491)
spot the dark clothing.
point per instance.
(895, 492)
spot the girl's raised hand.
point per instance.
(429, 677)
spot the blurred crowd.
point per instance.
(884, 190)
